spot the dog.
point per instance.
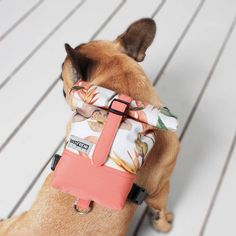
(113, 65)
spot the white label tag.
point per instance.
(79, 144)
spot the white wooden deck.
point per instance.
(192, 66)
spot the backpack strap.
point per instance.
(117, 110)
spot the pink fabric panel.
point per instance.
(74, 174)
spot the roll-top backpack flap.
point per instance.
(87, 93)
(106, 177)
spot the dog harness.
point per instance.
(110, 137)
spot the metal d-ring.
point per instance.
(82, 211)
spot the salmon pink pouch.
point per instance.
(110, 137)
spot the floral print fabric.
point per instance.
(85, 92)
(134, 139)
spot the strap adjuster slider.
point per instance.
(117, 112)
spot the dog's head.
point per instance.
(113, 64)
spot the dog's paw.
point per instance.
(160, 221)
(169, 217)
(162, 225)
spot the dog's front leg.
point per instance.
(160, 167)
(160, 219)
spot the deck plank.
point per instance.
(184, 77)
(223, 216)
(206, 142)
(12, 11)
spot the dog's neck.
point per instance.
(133, 84)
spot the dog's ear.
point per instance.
(137, 38)
(80, 63)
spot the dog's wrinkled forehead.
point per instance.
(89, 59)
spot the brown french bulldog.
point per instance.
(114, 65)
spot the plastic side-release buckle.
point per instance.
(137, 194)
(56, 158)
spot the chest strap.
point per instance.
(117, 110)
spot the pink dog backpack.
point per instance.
(110, 136)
